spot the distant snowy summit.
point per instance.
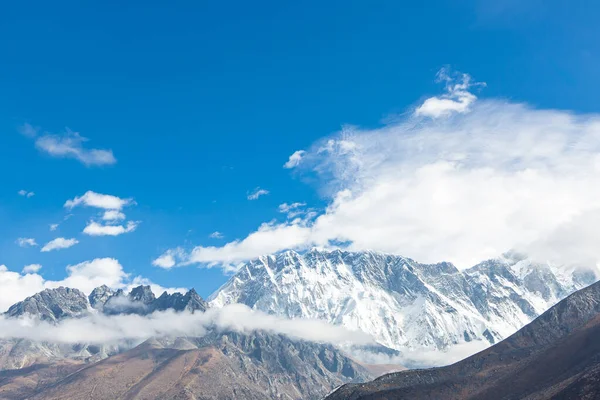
(403, 304)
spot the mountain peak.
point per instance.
(142, 294)
(52, 304)
(99, 296)
(403, 304)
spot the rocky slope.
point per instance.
(225, 365)
(405, 305)
(556, 356)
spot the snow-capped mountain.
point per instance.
(403, 304)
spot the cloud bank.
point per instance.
(459, 179)
(102, 329)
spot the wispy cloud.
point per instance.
(294, 159)
(216, 235)
(26, 242)
(293, 210)
(58, 244)
(457, 98)
(53, 227)
(95, 229)
(256, 193)
(113, 215)
(28, 130)
(25, 193)
(98, 200)
(68, 144)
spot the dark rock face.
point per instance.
(143, 294)
(555, 356)
(142, 301)
(52, 305)
(190, 301)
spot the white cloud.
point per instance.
(88, 275)
(292, 210)
(69, 145)
(59, 243)
(95, 229)
(457, 99)
(25, 193)
(295, 159)
(84, 276)
(216, 235)
(26, 242)
(53, 227)
(269, 238)
(170, 258)
(98, 200)
(102, 329)
(113, 215)
(257, 193)
(422, 357)
(463, 189)
(16, 287)
(31, 268)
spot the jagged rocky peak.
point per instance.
(99, 296)
(191, 301)
(52, 304)
(141, 300)
(142, 294)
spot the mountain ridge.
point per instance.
(403, 304)
(555, 356)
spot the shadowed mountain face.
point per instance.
(218, 366)
(556, 356)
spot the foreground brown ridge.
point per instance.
(557, 356)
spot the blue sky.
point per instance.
(202, 103)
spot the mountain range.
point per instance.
(406, 306)
(403, 304)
